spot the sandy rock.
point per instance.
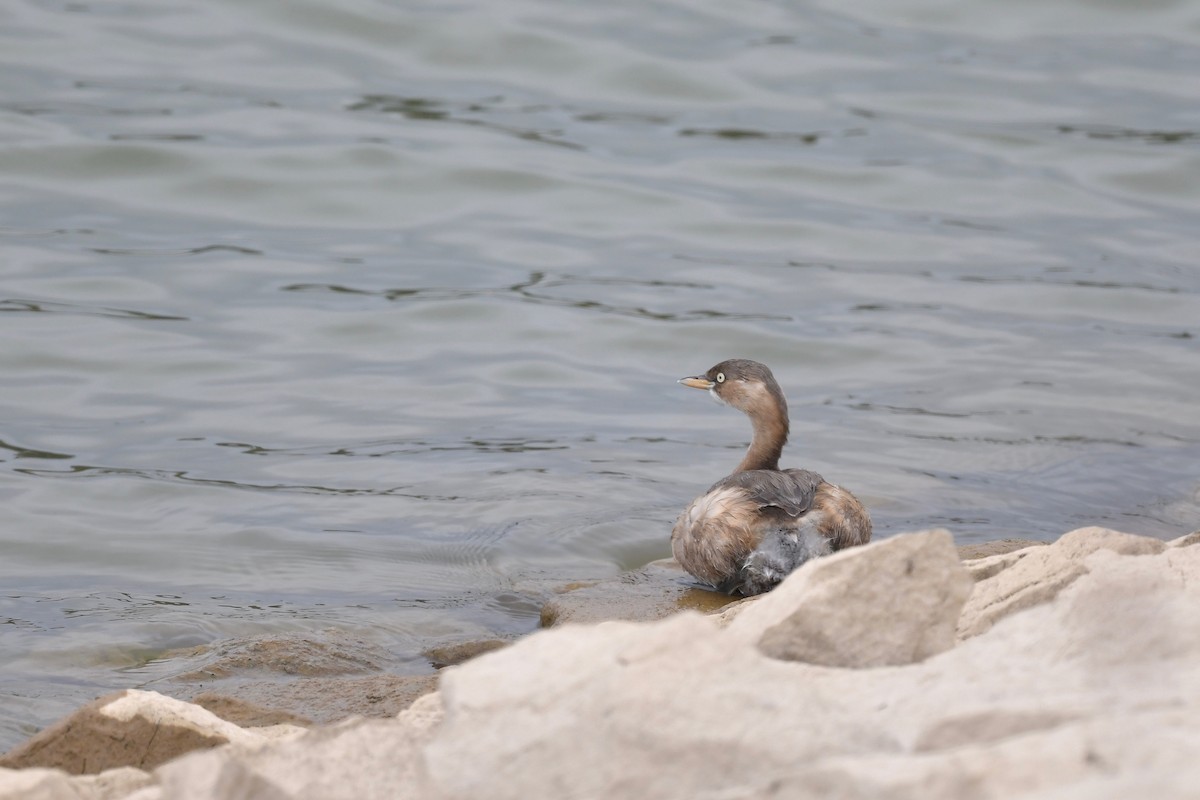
(246, 714)
(1015, 581)
(1104, 758)
(657, 590)
(894, 601)
(995, 547)
(128, 728)
(1186, 541)
(321, 700)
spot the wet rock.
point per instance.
(298, 679)
(894, 601)
(657, 590)
(130, 728)
(451, 654)
(1015, 581)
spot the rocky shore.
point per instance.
(904, 668)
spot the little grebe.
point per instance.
(751, 529)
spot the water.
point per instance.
(366, 316)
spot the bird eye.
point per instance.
(720, 377)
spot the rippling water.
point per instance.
(367, 315)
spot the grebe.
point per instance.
(751, 529)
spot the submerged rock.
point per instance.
(304, 679)
(335, 653)
(657, 590)
(450, 654)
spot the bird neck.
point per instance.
(770, 435)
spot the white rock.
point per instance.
(895, 601)
(38, 783)
(356, 760)
(1035, 575)
(1063, 694)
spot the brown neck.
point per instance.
(770, 435)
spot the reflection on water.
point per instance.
(372, 323)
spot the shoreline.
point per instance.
(250, 716)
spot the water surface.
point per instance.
(366, 315)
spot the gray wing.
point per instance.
(789, 490)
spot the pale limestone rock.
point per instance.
(894, 601)
(39, 783)
(981, 569)
(424, 715)
(36, 784)
(1115, 757)
(620, 710)
(1100, 681)
(128, 728)
(111, 784)
(359, 759)
(1029, 577)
